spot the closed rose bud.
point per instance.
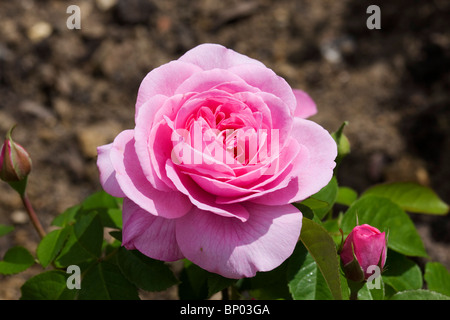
(15, 162)
(365, 246)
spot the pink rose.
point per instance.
(219, 152)
(368, 245)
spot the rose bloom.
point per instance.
(369, 247)
(219, 152)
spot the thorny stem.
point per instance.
(32, 214)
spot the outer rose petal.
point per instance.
(107, 173)
(164, 80)
(144, 124)
(153, 236)
(236, 249)
(306, 107)
(211, 56)
(135, 185)
(323, 152)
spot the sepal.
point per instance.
(353, 270)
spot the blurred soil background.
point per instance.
(70, 91)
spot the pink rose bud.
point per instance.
(15, 162)
(364, 247)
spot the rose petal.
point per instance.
(164, 80)
(219, 188)
(237, 86)
(280, 116)
(206, 80)
(107, 173)
(256, 103)
(369, 245)
(323, 151)
(236, 249)
(267, 81)
(306, 107)
(196, 160)
(202, 199)
(277, 187)
(161, 147)
(311, 178)
(151, 235)
(144, 150)
(198, 101)
(135, 185)
(210, 56)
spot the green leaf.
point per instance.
(72, 252)
(305, 209)
(346, 196)
(67, 217)
(144, 272)
(437, 278)
(107, 206)
(269, 285)
(16, 260)
(194, 282)
(217, 283)
(116, 235)
(84, 242)
(49, 285)
(5, 229)
(111, 218)
(372, 294)
(100, 199)
(332, 226)
(104, 281)
(385, 215)
(51, 245)
(322, 202)
(199, 284)
(323, 249)
(89, 233)
(402, 273)
(314, 204)
(419, 294)
(306, 282)
(344, 286)
(411, 197)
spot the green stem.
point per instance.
(225, 295)
(32, 214)
(354, 288)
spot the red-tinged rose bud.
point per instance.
(364, 247)
(15, 162)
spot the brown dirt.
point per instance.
(72, 90)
